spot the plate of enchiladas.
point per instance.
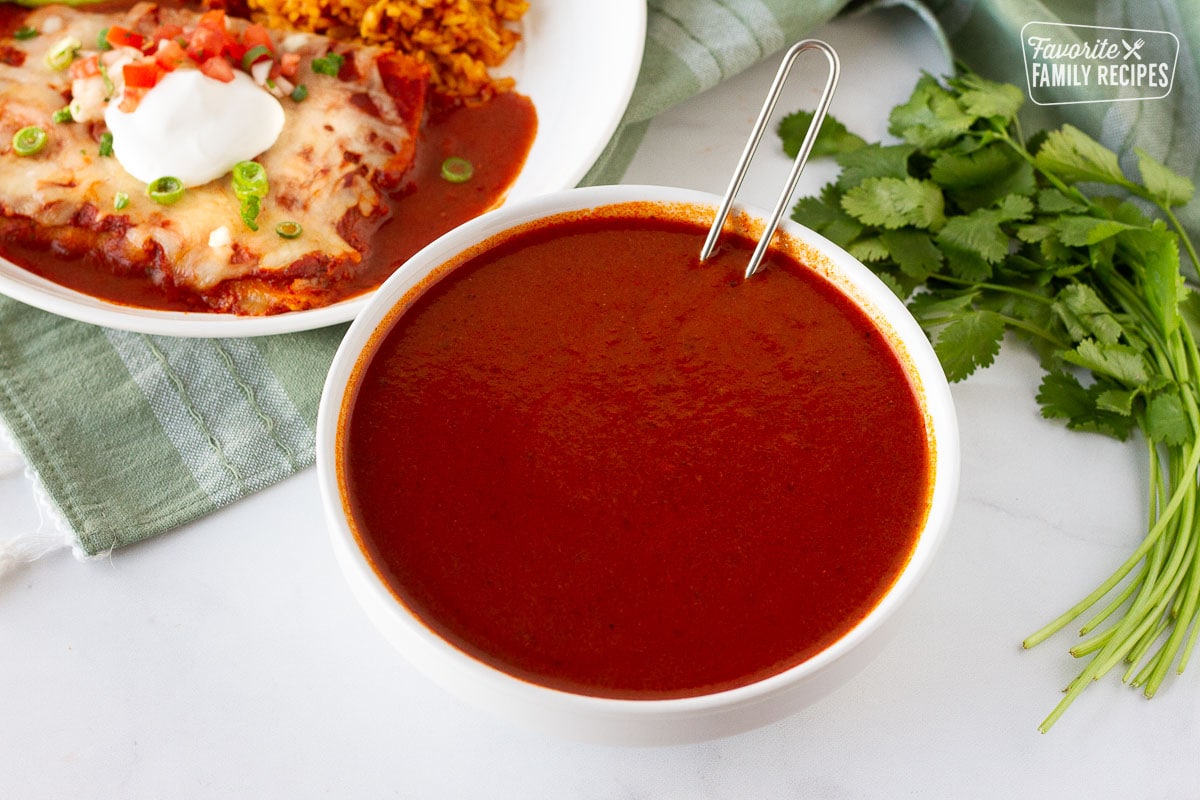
(260, 166)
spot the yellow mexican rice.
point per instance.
(457, 39)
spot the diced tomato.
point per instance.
(256, 35)
(213, 19)
(219, 68)
(234, 49)
(289, 65)
(167, 31)
(85, 67)
(123, 37)
(170, 55)
(205, 43)
(131, 97)
(140, 74)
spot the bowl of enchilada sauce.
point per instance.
(591, 483)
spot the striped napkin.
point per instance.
(133, 435)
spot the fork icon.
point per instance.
(1132, 50)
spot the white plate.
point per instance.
(578, 63)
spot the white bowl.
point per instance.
(618, 721)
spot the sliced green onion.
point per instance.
(328, 64)
(63, 53)
(457, 170)
(250, 186)
(251, 206)
(25, 32)
(289, 229)
(165, 191)
(120, 200)
(62, 115)
(29, 140)
(299, 93)
(254, 54)
(249, 180)
(102, 42)
(109, 89)
(106, 144)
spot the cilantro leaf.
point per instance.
(1072, 155)
(1118, 401)
(931, 117)
(1080, 231)
(1162, 281)
(933, 309)
(870, 249)
(1019, 180)
(1052, 201)
(896, 202)
(1163, 185)
(981, 177)
(1034, 232)
(1062, 396)
(955, 170)
(965, 264)
(969, 342)
(976, 233)
(913, 251)
(1166, 420)
(833, 138)
(826, 217)
(985, 98)
(1119, 362)
(1084, 314)
(979, 232)
(1189, 308)
(1014, 207)
(874, 161)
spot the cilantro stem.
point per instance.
(1186, 612)
(1019, 148)
(1104, 588)
(1119, 599)
(1185, 239)
(1032, 329)
(1192, 637)
(993, 287)
(1010, 321)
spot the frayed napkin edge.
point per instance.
(53, 532)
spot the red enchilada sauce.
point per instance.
(593, 462)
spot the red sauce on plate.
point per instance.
(593, 462)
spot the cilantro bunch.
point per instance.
(984, 233)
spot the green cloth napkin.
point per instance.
(134, 435)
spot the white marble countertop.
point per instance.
(228, 659)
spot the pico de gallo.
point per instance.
(140, 61)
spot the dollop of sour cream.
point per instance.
(193, 127)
